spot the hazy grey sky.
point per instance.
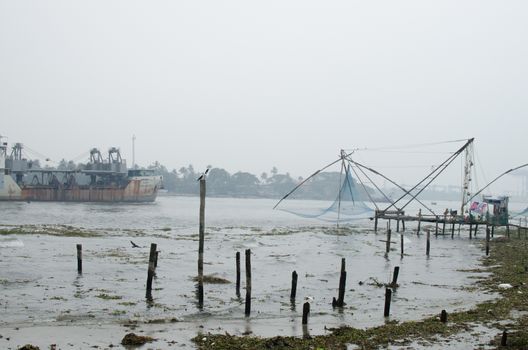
(248, 85)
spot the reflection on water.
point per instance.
(39, 276)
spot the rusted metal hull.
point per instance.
(134, 191)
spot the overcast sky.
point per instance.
(249, 85)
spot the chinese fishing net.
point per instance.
(347, 205)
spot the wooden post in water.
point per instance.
(151, 269)
(401, 244)
(444, 223)
(79, 258)
(443, 316)
(306, 311)
(398, 225)
(340, 302)
(508, 229)
(428, 243)
(293, 287)
(403, 225)
(419, 221)
(476, 229)
(248, 282)
(470, 231)
(487, 241)
(237, 258)
(504, 339)
(453, 229)
(388, 295)
(436, 229)
(387, 244)
(492, 231)
(376, 221)
(201, 234)
(395, 274)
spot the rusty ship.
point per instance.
(99, 180)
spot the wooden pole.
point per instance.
(403, 225)
(79, 258)
(444, 224)
(419, 221)
(387, 244)
(492, 230)
(156, 259)
(237, 258)
(476, 229)
(428, 243)
(397, 225)
(504, 339)
(401, 244)
(151, 269)
(388, 295)
(376, 221)
(487, 241)
(306, 311)
(443, 316)
(453, 230)
(294, 286)
(436, 229)
(201, 234)
(508, 229)
(395, 274)
(248, 282)
(340, 302)
(470, 231)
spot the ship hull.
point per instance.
(136, 190)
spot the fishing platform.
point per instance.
(489, 211)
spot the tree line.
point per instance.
(274, 184)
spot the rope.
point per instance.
(408, 146)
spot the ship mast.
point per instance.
(3, 154)
(133, 151)
(466, 186)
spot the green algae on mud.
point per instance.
(507, 263)
(51, 230)
(212, 279)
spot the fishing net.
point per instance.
(348, 204)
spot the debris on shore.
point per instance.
(133, 339)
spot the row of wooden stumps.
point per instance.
(427, 243)
(473, 225)
(339, 302)
(402, 246)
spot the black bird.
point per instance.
(134, 245)
(203, 175)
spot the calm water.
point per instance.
(42, 293)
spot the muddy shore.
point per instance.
(504, 320)
(46, 302)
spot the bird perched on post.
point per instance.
(203, 175)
